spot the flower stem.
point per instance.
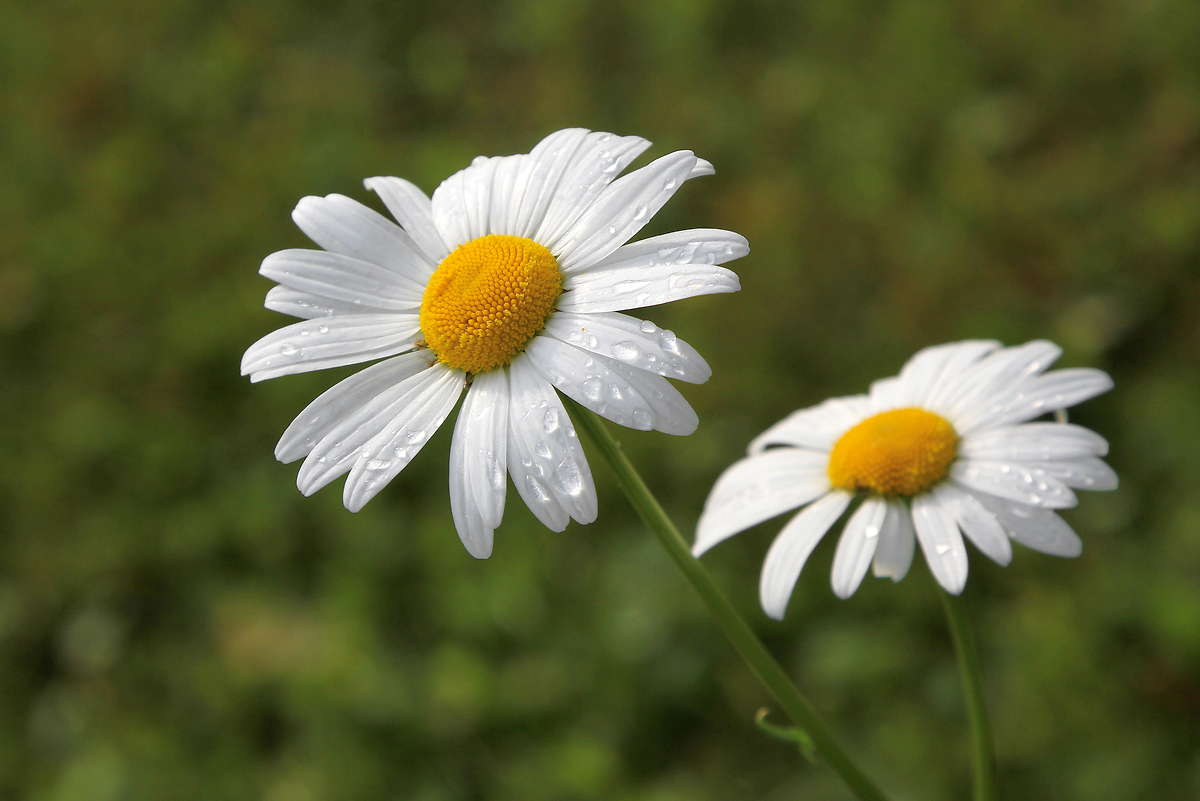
(764, 666)
(982, 756)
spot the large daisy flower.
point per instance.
(944, 448)
(505, 285)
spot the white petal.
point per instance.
(977, 522)
(479, 450)
(816, 428)
(703, 167)
(329, 342)
(1039, 529)
(474, 532)
(342, 399)
(599, 159)
(634, 288)
(341, 225)
(941, 542)
(889, 393)
(337, 451)
(1029, 484)
(505, 199)
(342, 278)
(308, 306)
(1033, 442)
(857, 546)
(693, 246)
(998, 372)
(478, 454)
(791, 550)
(637, 343)
(549, 455)
(1035, 396)
(537, 180)
(461, 204)
(627, 396)
(390, 451)
(894, 554)
(621, 210)
(931, 371)
(758, 488)
(1090, 474)
(412, 209)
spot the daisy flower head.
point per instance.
(946, 448)
(504, 286)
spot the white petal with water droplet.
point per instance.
(389, 451)
(621, 210)
(308, 306)
(336, 452)
(941, 542)
(897, 543)
(857, 545)
(478, 462)
(1034, 397)
(1039, 529)
(977, 523)
(546, 462)
(1033, 442)
(343, 278)
(1029, 484)
(624, 395)
(329, 342)
(480, 445)
(596, 162)
(633, 342)
(343, 399)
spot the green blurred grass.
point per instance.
(177, 622)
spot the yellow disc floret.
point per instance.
(901, 452)
(487, 299)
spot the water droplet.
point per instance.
(401, 453)
(592, 388)
(536, 490)
(667, 341)
(542, 450)
(669, 184)
(942, 549)
(871, 532)
(614, 392)
(288, 349)
(648, 327)
(642, 420)
(626, 351)
(639, 212)
(414, 437)
(379, 464)
(322, 329)
(550, 421)
(567, 479)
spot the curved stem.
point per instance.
(764, 666)
(983, 758)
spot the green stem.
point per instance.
(739, 633)
(982, 756)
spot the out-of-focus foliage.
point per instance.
(177, 622)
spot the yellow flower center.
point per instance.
(901, 452)
(487, 299)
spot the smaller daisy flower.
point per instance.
(941, 450)
(504, 289)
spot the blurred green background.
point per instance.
(177, 622)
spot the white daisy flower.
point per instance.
(943, 448)
(506, 284)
